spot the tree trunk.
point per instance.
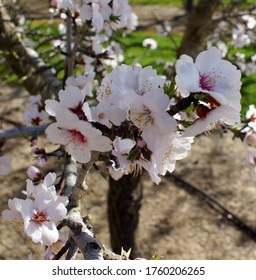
(189, 5)
(198, 27)
(124, 202)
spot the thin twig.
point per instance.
(22, 131)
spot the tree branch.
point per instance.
(36, 76)
(22, 131)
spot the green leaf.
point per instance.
(104, 175)
(169, 88)
(189, 109)
(114, 18)
(134, 153)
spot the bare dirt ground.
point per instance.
(173, 223)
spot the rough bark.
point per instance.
(36, 76)
(199, 26)
(124, 203)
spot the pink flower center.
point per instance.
(78, 110)
(78, 137)
(36, 121)
(207, 81)
(40, 217)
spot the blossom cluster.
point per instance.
(233, 37)
(39, 213)
(136, 96)
(100, 19)
(35, 113)
(241, 32)
(138, 120)
(247, 66)
(104, 15)
(215, 83)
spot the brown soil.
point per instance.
(173, 223)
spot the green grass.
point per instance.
(135, 52)
(248, 92)
(248, 88)
(157, 2)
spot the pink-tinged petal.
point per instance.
(15, 204)
(85, 12)
(123, 146)
(183, 60)
(34, 231)
(81, 153)
(187, 78)
(231, 116)
(224, 114)
(50, 234)
(51, 106)
(56, 135)
(58, 210)
(66, 119)
(206, 60)
(101, 144)
(49, 179)
(71, 96)
(30, 188)
(115, 174)
(14, 212)
(165, 123)
(155, 100)
(26, 210)
(88, 130)
(87, 111)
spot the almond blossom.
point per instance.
(249, 20)
(83, 82)
(41, 215)
(251, 117)
(157, 155)
(250, 139)
(166, 150)
(76, 7)
(13, 214)
(216, 116)
(35, 113)
(105, 15)
(126, 164)
(34, 173)
(125, 17)
(79, 137)
(33, 186)
(211, 75)
(218, 82)
(71, 100)
(240, 37)
(148, 112)
(138, 94)
(41, 210)
(149, 43)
